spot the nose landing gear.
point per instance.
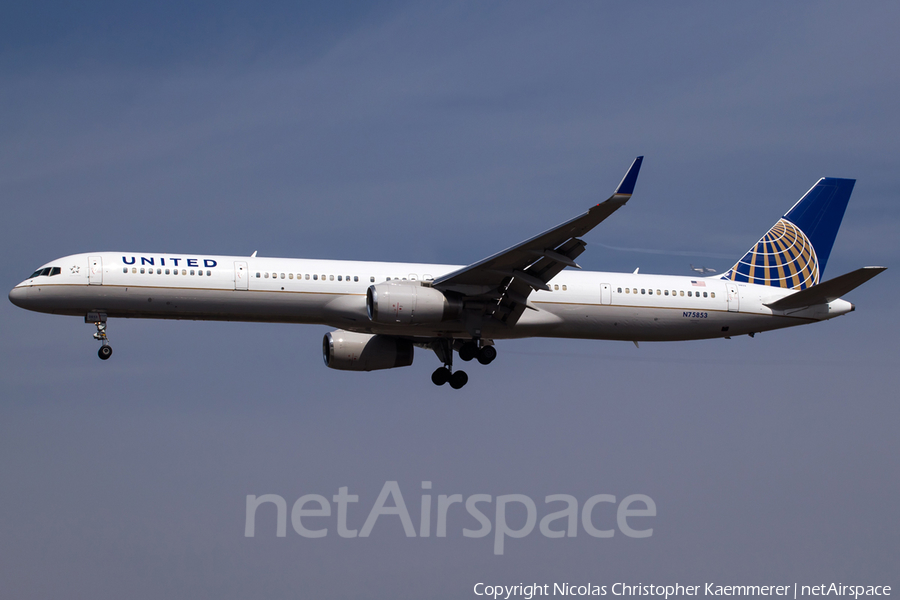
(99, 320)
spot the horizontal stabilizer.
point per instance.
(826, 291)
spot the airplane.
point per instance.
(382, 311)
(702, 270)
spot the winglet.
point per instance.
(626, 188)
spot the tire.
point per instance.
(105, 352)
(468, 351)
(440, 376)
(487, 354)
(458, 379)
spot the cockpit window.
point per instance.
(45, 272)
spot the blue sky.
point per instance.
(441, 133)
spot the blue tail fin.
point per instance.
(794, 252)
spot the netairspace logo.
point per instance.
(559, 523)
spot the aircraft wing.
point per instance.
(504, 281)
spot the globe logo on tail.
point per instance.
(784, 258)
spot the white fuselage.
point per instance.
(592, 305)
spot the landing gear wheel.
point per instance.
(458, 379)
(99, 321)
(487, 354)
(441, 376)
(468, 351)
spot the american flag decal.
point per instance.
(696, 283)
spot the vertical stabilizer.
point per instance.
(793, 253)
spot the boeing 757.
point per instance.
(383, 311)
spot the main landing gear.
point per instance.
(485, 353)
(444, 375)
(99, 320)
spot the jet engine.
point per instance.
(348, 351)
(408, 302)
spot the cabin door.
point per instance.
(241, 275)
(605, 293)
(734, 299)
(95, 273)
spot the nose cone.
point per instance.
(19, 296)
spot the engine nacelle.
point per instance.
(348, 351)
(408, 302)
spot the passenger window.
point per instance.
(315, 277)
(142, 270)
(133, 269)
(564, 288)
(192, 271)
(339, 278)
(704, 294)
(167, 271)
(556, 287)
(372, 279)
(712, 294)
(282, 275)
(643, 291)
(306, 276)
(267, 275)
(667, 292)
(124, 270)
(627, 290)
(208, 274)
(356, 278)
(387, 278)
(689, 293)
(258, 276)
(331, 277)
(346, 278)
(619, 290)
(681, 293)
(658, 293)
(290, 275)
(634, 290)
(184, 271)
